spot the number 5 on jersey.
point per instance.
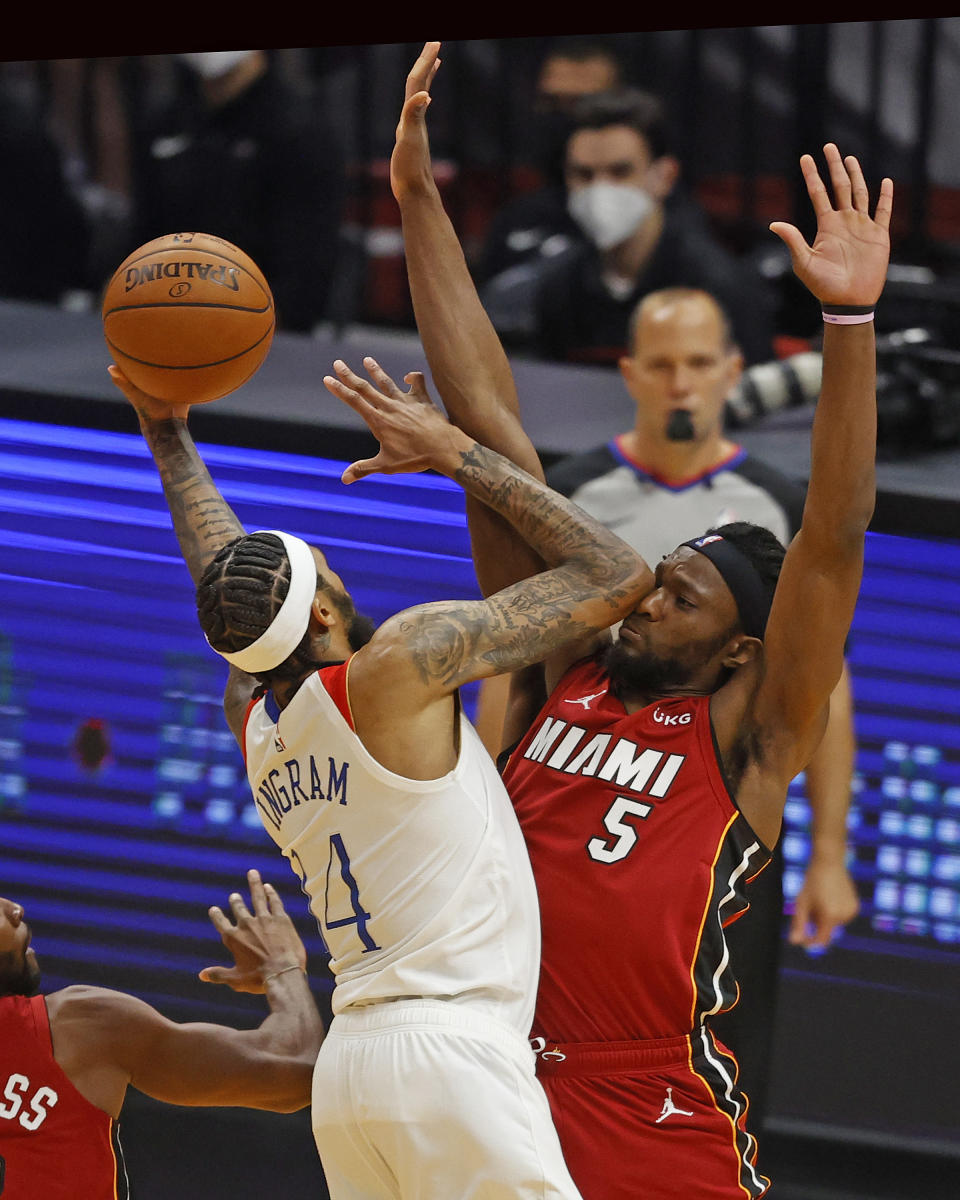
(624, 836)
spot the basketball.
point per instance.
(188, 317)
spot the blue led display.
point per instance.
(124, 808)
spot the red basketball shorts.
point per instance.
(655, 1120)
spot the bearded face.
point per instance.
(645, 673)
(19, 974)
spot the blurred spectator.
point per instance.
(571, 69)
(575, 67)
(43, 252)
(242, 152)
(628, 231)
(88, 117)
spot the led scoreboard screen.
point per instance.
(125, 812)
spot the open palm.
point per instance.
(847, 263)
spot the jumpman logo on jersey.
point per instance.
(670, 1109)
(585, 700)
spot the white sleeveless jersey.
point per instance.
(421, 888)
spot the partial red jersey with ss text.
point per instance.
(54, 1144)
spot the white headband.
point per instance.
(285, 631)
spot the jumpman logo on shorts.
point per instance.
(585, 700)
(670, 1109)
(539, 1046)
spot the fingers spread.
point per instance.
(791, 236)
(885, 204)
(839, 179)
(418, 386)
(860, 192)
(815, 186)
(214, 974)
(348, 376)
(359, 470)
(348, 395)
(220, 922)
(381, 378)
(257, 897)
(273, 899)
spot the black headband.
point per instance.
(741, 577)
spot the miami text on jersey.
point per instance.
(622, 763)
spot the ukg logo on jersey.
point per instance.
(663, 718)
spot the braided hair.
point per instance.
(239, 595)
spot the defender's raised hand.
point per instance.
(263, 943)
(410, 161)
(413, 434)
(847, 263)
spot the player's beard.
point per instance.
(645, 674)
(651, 676)
(360, 629)
(680, 426)
(24, 980)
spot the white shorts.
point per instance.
(425, 1100)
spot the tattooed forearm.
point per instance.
(451, 642)
(593, 580)
(448, 646)
(202, 519)
(556, 529)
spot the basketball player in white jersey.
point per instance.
(376, 788)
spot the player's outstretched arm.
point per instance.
(593, 580)
(467, 361)
(117, 1039)
(202, 520)
(817, 591)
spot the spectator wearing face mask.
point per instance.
(244, 153)
(629, 232)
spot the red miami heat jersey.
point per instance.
(54, 1144)
(640, 858)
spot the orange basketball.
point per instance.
(188, 317)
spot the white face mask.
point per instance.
(608, 213)
(211, 64)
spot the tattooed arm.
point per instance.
(421, 656)
(202, 520)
